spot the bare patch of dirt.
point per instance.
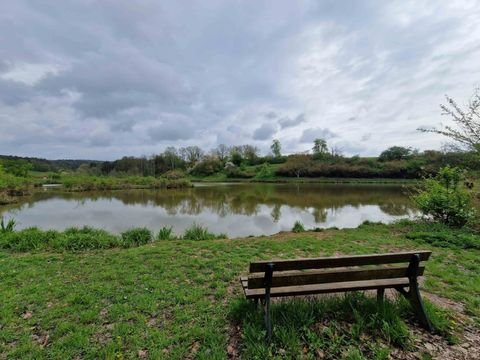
(436, 347)
(234, 339)
(193, 351)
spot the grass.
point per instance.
(175, 299)
(87, 238)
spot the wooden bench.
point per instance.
(281, 278)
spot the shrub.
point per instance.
(443, 198)
(197, 232)
(174, 175)
(206, 167)
(264, 172)
(298, 227)
(136, 237)
(238, 173)
(165, 233)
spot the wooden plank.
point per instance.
(256, 281)
(338, 261)
(327, 288)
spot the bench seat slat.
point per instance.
(256, 281)
(327, 288)
(338, 261)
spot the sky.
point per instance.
(103, 79)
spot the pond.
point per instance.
(237, 209)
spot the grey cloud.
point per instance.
(287, 122)
(366, 137)
(172, 128)
(271, 115)
(309, 135)
(264, 132)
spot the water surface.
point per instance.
(234, 209)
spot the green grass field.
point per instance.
(178, 299)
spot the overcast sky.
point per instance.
(103, 79)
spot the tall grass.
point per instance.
(197, 232)
(8, 226)
(87, 238)
(298, 227)
(136, 237)
(324, 327)
(165, 233)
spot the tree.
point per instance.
(172, 158)
(395, 153)
(221, 152)
(320, 148)
(276, 148)
(18, 168)
(467, 129)
(191, 154)
(250, 153)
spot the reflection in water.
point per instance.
(235, 209)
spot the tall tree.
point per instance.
(276, 148)
(250, 153)
(320, 148)
(191, 154)
(466, 131)
(221, 152)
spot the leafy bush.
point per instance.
(443, 198)
(298, 227)
(238, 173)
(136, 237)
(264, 172)
(208, 166)
(165, 233)
(174, 175)
(197, 232)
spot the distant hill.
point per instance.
(40, 164)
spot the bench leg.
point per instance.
(380, 295)
(413, 294)
(417, 304)
(268, 315)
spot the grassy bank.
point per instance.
(91, 183)
(178, 299)
(12, 186)
(322, 180)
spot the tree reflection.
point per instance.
(246, 199)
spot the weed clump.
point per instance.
(197, 232)
(298, 227)
(165, 233)
(136, 237)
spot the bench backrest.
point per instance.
(336, 269)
